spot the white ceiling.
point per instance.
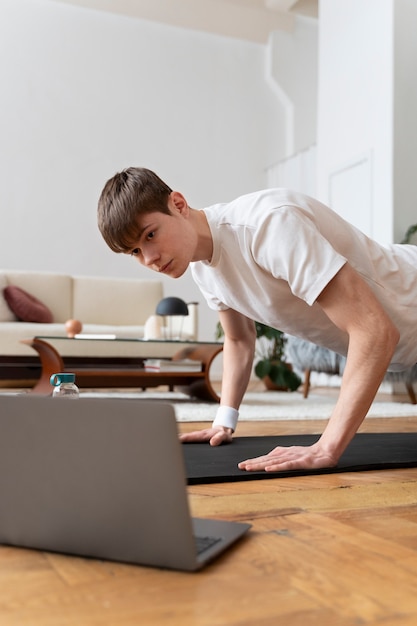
(245, 19)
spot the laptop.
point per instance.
(103, 478)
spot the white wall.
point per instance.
(354, 147)
(405, 121)
(85, 94)
(294, 66)
(367, 129)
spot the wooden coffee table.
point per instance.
(126, 371)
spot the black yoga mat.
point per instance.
(367, 451)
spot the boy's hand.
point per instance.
(291, 458)
(215, 436)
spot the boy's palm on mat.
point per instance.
(215, 436)
(292, 458)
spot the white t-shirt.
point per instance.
(274, 251)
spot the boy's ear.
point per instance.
(178, 202)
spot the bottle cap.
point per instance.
(58, 379)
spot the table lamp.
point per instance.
(172, 308)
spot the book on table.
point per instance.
(172, 365)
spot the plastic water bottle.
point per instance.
(64, 386)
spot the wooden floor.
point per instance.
(337, 550)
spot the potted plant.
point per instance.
(270, 365)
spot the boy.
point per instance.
(285, 260)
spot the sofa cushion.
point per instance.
(6, 314)
(26, 307)
(54, 290)
(115, 301)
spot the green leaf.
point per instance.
(263, 368)
(410, 232)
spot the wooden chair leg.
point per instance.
(306, 386)
(411, 393)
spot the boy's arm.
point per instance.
(352, 306)
(238, 351)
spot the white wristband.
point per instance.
(226, 416)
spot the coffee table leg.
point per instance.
(201, 388)
(51, 363)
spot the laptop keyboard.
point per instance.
(203, 543)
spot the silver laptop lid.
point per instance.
(95, 477)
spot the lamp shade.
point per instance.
(172, 306)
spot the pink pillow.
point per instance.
(27, 308)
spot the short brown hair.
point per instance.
(129, 194)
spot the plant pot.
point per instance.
(279, 377)
(271, 386)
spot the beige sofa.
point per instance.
(119, 306)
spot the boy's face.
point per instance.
(167, 243)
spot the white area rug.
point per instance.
(268, 405)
